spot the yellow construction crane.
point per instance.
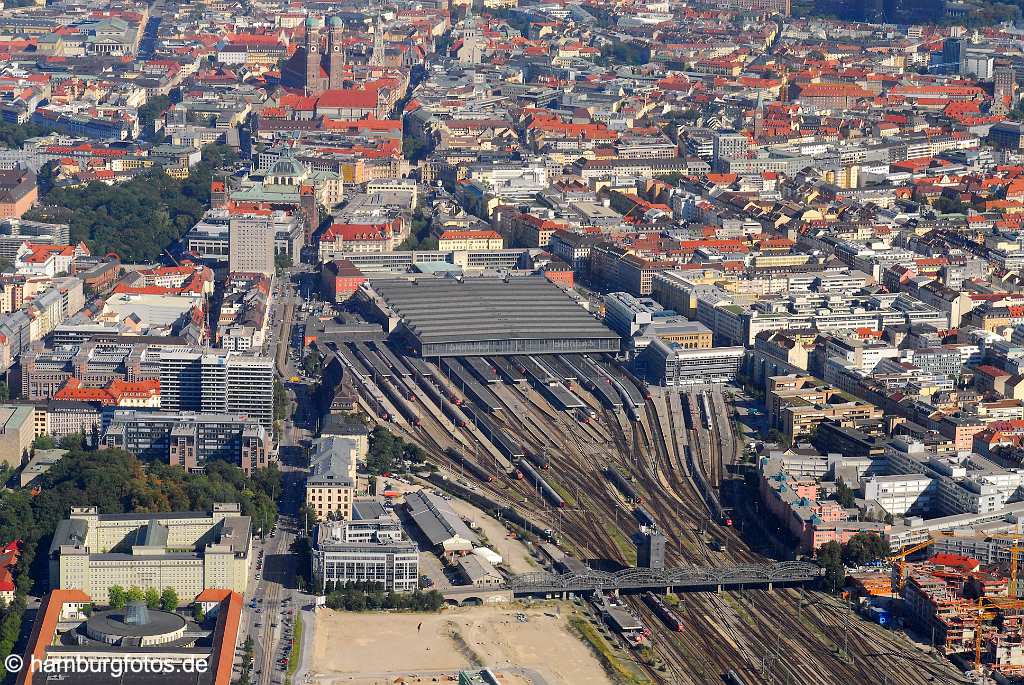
(988, 609)
(1014, 554)
(900, 559)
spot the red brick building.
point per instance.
(340, 279)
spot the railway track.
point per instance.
(767, 637)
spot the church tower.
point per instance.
(336, 46)
(377, 56)
(312, 57)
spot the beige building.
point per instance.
(331, 484)
(251, 244)
(17, 431)
(470, 240)
(797, 403)
(187, 551)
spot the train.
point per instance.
(447, 389)
(706, 409)
(509, 448)
(391, 360)
(469, 385)
(454, 414)
(546, 490)
(731, 677)
(506, 369)
(669, 617)
(538, 459)
(373, 363)
(481, 369)
(408, 412)
(644, 517)
(476, 470)
(623, 485)
(591, 381)
(405, 388)
(631, 399)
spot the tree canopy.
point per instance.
(387, 452)
(139, 218)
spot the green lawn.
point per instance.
(293, 658)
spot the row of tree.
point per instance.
(367, 596)
(139, 218)
(167, 600)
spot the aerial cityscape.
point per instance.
(511, 342)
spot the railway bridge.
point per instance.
(692, 578)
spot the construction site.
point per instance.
(966, 606)
(572, 449)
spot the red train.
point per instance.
(668, 617)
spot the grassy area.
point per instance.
(626, 547)
(293, 658)
(570, 501)
(619, 671)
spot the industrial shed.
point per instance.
(447, 317)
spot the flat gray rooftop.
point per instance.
(490, 315)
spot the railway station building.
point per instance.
(449, 317)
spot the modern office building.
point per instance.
(331, 484)
(492, 316)
(190, 439)
(670, 364)
(188, 551)
(218, 381)
(369, 550)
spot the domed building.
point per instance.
(312, 68)
(287, 171)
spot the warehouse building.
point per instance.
(447, 317)
(439, 524)
(189, 551)
(672, 365)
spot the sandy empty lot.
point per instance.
(373, 648)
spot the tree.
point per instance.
(830, 558)
(43, 442)
(71, 442)
(844, 495)
(198, 613)
(947, 205)
(152, 597)
(135, 594)
(280, 400)
(169, 599)
(282, 261)
(116, 597)
(313, 363)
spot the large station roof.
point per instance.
(443, 311)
